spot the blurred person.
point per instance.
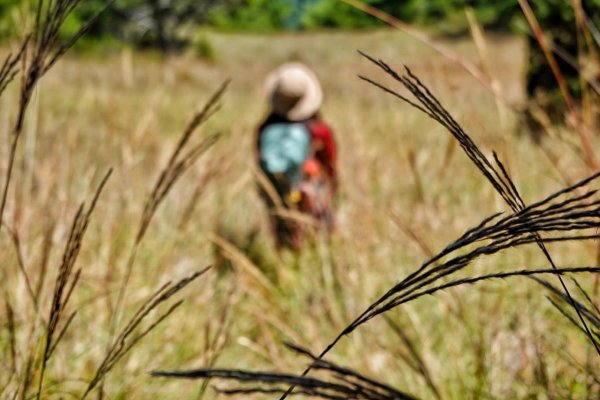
(297, 153)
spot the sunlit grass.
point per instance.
(127, 109)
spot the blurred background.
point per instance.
(177, 25)
(123, 95)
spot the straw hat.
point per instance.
(294, 91)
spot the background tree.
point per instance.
(170, 24)
(253, 15)
(147, 23)
(158, 23)
(578, 65)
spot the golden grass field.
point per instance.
(406, 191)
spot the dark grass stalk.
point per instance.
(499, 178)
(590, 367)
(39, 52)
(134, 332)
(558, 214)
(587, 297)
(345, 383)
(65, 283)
(341, 382)
(590, 313)
(499, 275)
(345, 374)
(565, 314)
(512, 231)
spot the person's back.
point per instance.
(296, 151)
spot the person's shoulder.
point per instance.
(319, 126)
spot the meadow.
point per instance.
(406, 191)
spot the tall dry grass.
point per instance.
(570, 214)
(406, 193)
(33, 342)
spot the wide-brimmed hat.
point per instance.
(294, 91)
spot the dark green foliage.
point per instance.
(451, 14)
(334, 14)
(557, 20)
(253, 15)
(160, 22)
(203, 47)
(157, 23)
(8, 23)
(153, 23)
(170, 24)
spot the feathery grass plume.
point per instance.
(559, 214)
(131, 334)
(550, 220)
(497, 176)
(66, 281)
(360, 386)
(499, 275)
(338, 382)
(179, 162)
(38, 53)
